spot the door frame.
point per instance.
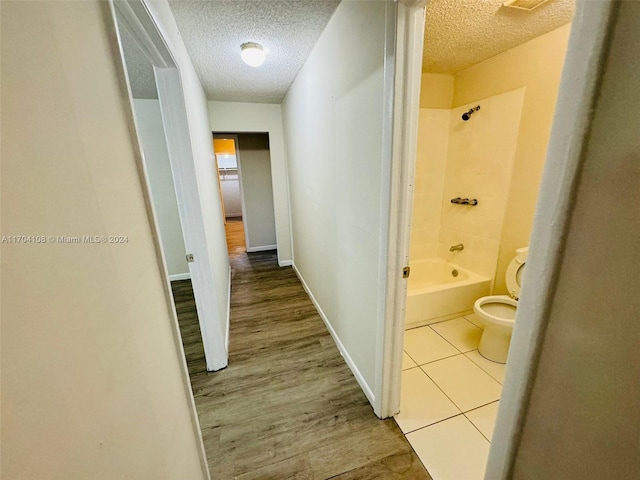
(234, 137)
(404, 133)
(139, 22)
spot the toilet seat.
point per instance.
(515, 272)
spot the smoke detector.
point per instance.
(524, 4)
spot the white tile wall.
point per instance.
(479, 162)
(431, 164)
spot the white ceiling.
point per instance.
(462, 33)
(213, 31)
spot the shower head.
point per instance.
(467, 115)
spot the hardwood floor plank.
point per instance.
(401, 466)
(287, 406)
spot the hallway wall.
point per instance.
(262, 117)
(255, 165)
(333, 117)
(154, 146)
(94, 382)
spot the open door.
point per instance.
(209, 289)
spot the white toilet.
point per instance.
(498, 312)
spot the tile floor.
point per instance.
(449, 399)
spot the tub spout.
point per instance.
(454, 248)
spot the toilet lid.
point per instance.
(515, 273)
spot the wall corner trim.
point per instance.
(343, 351)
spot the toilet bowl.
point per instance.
(498, 312)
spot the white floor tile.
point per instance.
(484, 418)
(496, 370)
(466, 384)
(424, 345)
(459, 332)
(472, 317)
(452, 450)
(407, 362)
(421, 402)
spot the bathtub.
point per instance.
(435, 294)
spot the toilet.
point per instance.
(498, 312)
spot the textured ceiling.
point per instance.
(213, 31)
(462, 33)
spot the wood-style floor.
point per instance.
(287, 406)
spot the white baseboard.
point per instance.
(228, 313)
(285, 263)
(263, 248)
(180, 276)
(343, 351)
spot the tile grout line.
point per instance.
(451, 400)
(480, 366)
(434, 423)
(442, 336)
(474, 426)
(443, 392)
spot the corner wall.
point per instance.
(536, 65)
(333, 117)
(94, 380)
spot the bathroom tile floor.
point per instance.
(449, 398)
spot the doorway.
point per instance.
(244, 172)
(481, 148)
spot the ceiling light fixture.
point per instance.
(252, 54)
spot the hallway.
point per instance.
(287, 406)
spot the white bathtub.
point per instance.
(435, 294)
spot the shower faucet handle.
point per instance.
(464, 201)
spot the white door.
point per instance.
(211, 304)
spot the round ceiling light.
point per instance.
(252, 54)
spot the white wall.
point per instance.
(230, 183)
(479, 165)
(204, 162)
(333, 117)
(258, 117)
(255, 166)
(156, 156)
(94, 383)
(428, 187)
(508, 71)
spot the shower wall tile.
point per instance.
(479, 164)
(431, 165)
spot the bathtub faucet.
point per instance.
(454, 248)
